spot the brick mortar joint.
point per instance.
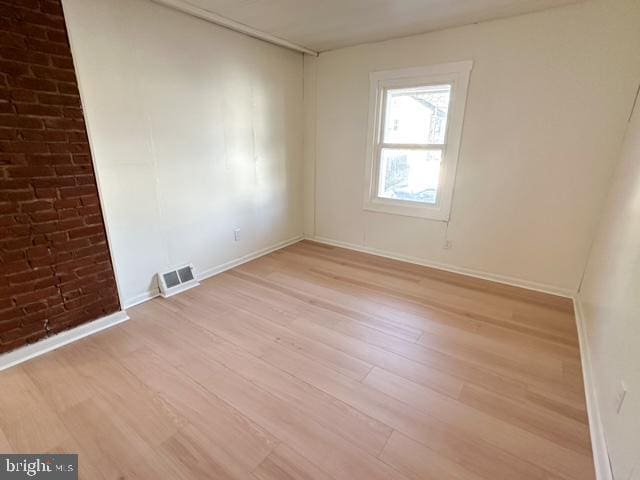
(46, 78)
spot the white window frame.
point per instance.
(455, 74)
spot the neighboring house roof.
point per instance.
(434, 108)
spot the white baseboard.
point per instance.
(514, 282)
(141, 298)
(598, 440)
(210, 272)
(63, 338)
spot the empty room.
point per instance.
(320, 240)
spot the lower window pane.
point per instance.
(410, 175)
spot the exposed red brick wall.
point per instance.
(55, 267)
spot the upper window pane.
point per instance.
(417, 115)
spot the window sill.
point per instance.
(429, 213)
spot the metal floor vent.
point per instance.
(176, 281)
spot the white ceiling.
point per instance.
(328, 24)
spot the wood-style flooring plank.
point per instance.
(555, 455)
(472, 364)
(284, 463)
(5, 447)
(319, 444)
(420, 463)
(234, 438)
(361, 430)
(424, 428)
(569, 432)
(318, 363)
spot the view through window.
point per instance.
(411, 152)
(415, 128)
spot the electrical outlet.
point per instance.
(448, 245)
(236, 234)
(621, 394)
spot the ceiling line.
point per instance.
(195, 11)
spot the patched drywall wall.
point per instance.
(610, 306)
(548, 102)
(196, 131)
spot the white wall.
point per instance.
(310, 121)
(548, 101)
(610, 306)
(195, 130)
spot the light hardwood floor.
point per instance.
(316, 363)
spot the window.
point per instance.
(415, 127)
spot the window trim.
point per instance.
(457, 75)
